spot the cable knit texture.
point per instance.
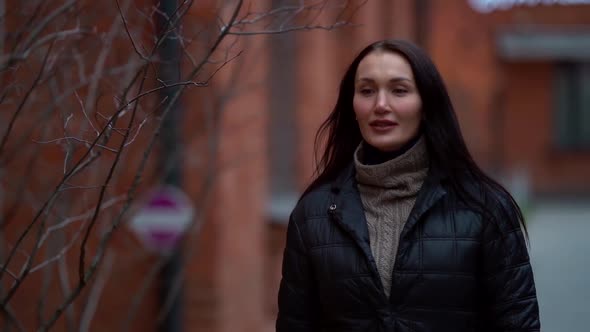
(388, 192)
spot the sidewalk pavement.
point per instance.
(560, 254)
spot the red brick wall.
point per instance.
(484, 89)
(529, 131)
(224, 285)
(233, 260)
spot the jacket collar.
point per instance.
(347, 205)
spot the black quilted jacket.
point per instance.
(455, 271)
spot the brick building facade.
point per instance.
(507, 93)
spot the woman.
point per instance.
(401, 231)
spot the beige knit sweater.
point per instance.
(388, 192)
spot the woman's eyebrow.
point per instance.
(393, 80)
(400, 79)
(365, 79)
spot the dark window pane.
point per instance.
(585, 105)
(572, 105)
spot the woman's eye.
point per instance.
(400, 91)
(366, 91)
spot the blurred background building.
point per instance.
(519, 76)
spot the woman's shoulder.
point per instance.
(316, 200)
(314, 203)
(495, 203)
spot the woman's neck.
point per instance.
(374, 156)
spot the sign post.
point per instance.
(162, 220)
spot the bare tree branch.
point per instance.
(141, 95)
(134, 111)
(46, 283)
(64, 281)
(291, 29)
(106, 238)
(24, 100)
(12, 210)
(103, 190)
(141, 293)
(81, 164)
(9, 314)
(87, 143)
(11, 58)
(31, 19)
(11, 274)
(66, 247)
(39, 27)
(141, 56)
(131, 66)
(95, 293)
(26, 267)
(84, 112)
(101, 60)
(70, 220)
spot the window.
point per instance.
(572, 106)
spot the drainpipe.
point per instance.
(421, 22)
(2, 23)
(169, 71)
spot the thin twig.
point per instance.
(48, 19)
(223, 65)
(30, 226)
(77, 218)
(38, 28)
(298, 28)
(143, 57)
(84, 112)
(60, 254)
(44, 294)
(24, 100)
(101, 61)
(8, 313)
(77, 140)
(81, 267)
(11, 58)
(71, 187)
(95, 293)
(141, 292)
(26, 26)
(25, 269)
(141, 124)
(10, 273)
(199, 84)
(257, 17)
(11, 212)
(64, 282)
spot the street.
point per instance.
(560, 253)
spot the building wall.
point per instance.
(224, 286)
(506, 108)
(528, 128)
(233, 259)
(462, 44)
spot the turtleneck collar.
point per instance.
(374, 156)
(399, 170)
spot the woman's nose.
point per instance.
(382, 103)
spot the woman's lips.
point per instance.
(382, 125)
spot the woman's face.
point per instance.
(386, 103)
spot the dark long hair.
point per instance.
(340, 135)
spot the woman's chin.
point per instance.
(386, 146)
